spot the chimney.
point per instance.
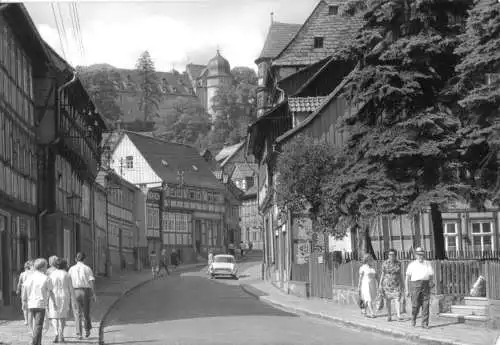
(272, 17)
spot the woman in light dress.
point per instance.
(28, 268)
(65, 297)
(367, 285)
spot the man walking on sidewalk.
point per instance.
(35, 296)
(83, 280)
(419, 273)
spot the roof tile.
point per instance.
(336, 30)
(180, 157)
(243, 170)
(304, 104)
(228, 151)
(278, 36)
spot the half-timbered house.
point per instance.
(24, 59)
(69, 136)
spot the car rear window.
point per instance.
(226, 259)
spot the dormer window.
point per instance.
(492, 77)
(129, 161)
(333, 10)
(318, 42)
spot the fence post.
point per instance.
(486, 273)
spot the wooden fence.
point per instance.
(492, 275)
(452, 277)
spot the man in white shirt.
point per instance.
(36, 291)
(83, 283)
(419, 275)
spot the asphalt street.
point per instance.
(192, 309)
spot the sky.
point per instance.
(175, 32)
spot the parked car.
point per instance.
(224, 265)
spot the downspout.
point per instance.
(59, 92)
(40, 246)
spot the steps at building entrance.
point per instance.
(476, 301)
(469, 310)
(474, 320)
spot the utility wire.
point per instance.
(79, 28)
(63, 27)
(58, 29)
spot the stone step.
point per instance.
(469, 310)
(474, 320)
(476, 301)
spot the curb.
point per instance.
(126, 293)
(351, 324)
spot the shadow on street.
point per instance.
(176, 298)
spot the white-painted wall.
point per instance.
(141, 173)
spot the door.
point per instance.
(78, 239)
(5, 267)
(197, 234)
(120, 247)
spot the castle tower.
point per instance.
(218, 76)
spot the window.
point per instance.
(333, 10)
(482, 236)
(318, 42)
(129, 162)
(450, 236)
(492, 78)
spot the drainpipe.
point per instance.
(39, 234)
(59, 92)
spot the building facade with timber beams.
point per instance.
(23, 59)
(69, 134)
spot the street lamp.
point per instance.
(75, 202)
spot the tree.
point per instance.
(185, 123)
(401, 151)
(102, 88)
(149, 85)
(235, 108)
(478, 91)
(304, 166)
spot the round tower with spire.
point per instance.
(218, 76)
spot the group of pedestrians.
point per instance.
(50, 290)
(159, 267)
(391, 287)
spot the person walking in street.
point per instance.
(174, 259)
(64, 295)
(153, 262)
(367, 285)
(391, 283)
(419, 275)
(83, 281)
(37, 292)
(163, 263)
(210, 259)
(23, 277)
(52, 262)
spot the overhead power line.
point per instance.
(58, 29)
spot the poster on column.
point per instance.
(303, 252)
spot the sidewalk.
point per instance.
(109, 291)
(441, 332)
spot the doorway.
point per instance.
(5, 266)
(197, 235)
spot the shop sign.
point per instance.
(153, 196)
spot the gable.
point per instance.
(336, 31)
(141, 171)
(170, 160)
